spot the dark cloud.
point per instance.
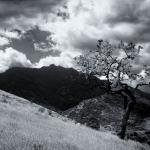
(86, 43)
(34, 43)
(27, 8)
(135, 14)
(126, 11)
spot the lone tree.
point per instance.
(118, 71)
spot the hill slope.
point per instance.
(54, 86)
(27, 126)
(107, 111)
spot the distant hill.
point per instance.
(55, 86)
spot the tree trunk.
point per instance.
(129, 102)
(125, 119)
(125, 101)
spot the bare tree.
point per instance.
(115, 63)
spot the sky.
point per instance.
(36, 33)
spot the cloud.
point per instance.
(126, 11)
(109, 19)
(9, 34)
(86, 24)
(88, 20)
(135, 15)
(12, 58)
(65, 60)
(83, 23)
(17, 13)
(3, 41)
(112, 20)
(28, 8)
(34, 43)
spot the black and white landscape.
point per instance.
(74, 75)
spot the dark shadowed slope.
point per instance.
(54, 86)
(107, 110)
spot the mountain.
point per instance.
(28, 126)
(52, 86)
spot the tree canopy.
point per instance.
(114, 62)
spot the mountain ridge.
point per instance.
(54, 86)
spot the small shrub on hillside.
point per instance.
(41, 109)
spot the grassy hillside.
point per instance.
(27, 126)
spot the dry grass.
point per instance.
(27, 126)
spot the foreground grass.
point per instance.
(27, 126)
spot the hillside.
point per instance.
(107, 111)
(54, 86)
(27, 126)
(81, 99)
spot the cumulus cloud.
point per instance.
(12, 58)
(3, 41)
(65, 60)
(9, 34)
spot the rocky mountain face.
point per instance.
(107, 110)
(53, 86)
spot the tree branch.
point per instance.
(141, 84)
